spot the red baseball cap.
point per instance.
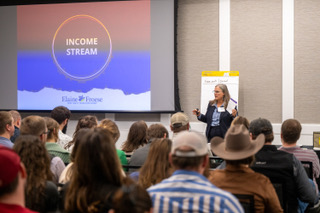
(9, 166)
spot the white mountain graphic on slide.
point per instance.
(95, 99)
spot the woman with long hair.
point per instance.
(137, 137)
(52, 137)
(67, 172)
(113, 129)
(59, 156)
(97, 174)
(41, 192)
(217, 117)
(157, 166)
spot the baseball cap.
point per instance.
(193, 140)
(9, 166)
(179, 118)
(260, 125)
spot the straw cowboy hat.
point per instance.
(237, 144)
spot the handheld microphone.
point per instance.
(197, 111)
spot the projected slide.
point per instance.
(86, 56)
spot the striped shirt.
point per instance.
(189, 191)
(305, 155)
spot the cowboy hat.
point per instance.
(237, 144)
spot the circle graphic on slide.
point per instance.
(82, 48)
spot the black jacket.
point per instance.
(284, 167)
(224, 123)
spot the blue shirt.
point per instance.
(135, 176)
(189, 191)
(6, 142)
(216, 116)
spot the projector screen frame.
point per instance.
(177, 106)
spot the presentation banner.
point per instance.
(210, 79)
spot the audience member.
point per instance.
(68, 171)
(36, 125)
(97, 174)
(112, 127)
(52, 137)
(131, 198)
(6, 129)
(179, 122)
(238, 151)
(187, 190)
(280, 165)
(154, 131)
(137, 137)
(241, 120)
(17, 122)
(290, 134)
(62, 115)
(13, 178)
(41, 193)
(87, 121)
(157, 166)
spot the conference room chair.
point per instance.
(280, 188)
(130, 168)
(308, 166)
(215, 162)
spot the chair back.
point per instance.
(246, 201)
(215, 162)
(130, 168)
(128, 156)
(308, 166)
(280, 188)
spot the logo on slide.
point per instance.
(82, 48)
(81, 98)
